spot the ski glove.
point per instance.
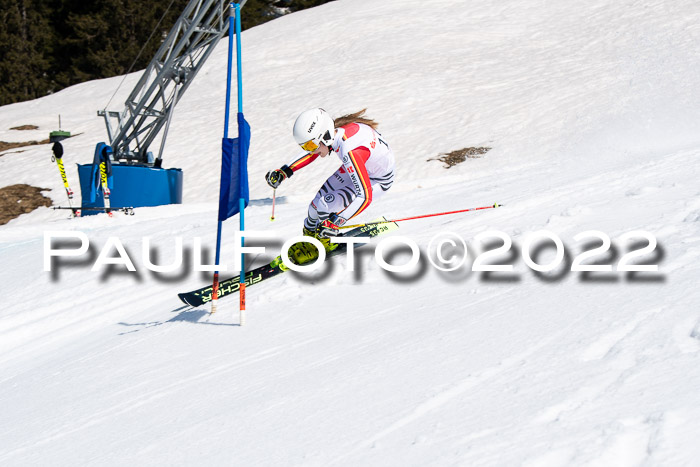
(330, 227)
(277, 176)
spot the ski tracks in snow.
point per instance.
(609, 420)
(135, 395)
(623, 373)
(453, 393)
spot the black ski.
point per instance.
(230, 286)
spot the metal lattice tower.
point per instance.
(152, 102)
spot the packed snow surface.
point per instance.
(591, 110)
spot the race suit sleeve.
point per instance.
(302, 161)
(354, 164)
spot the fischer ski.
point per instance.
(230, 286)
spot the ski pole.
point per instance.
(274, 192)
(495, 205)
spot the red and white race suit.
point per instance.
(367, 171)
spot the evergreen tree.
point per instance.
(298, 5)
(103, 38)
(46, 45)
(25, 36)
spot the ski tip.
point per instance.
(183, 299)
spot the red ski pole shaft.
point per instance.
(274, 192)
(495, 205)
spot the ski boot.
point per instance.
(304, 252)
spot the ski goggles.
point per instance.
(309, 146)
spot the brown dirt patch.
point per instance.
(460, 155)
(16, 200)
(6, 146)
(25, 127)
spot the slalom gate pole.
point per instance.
(239, 76)
(493, 206)
(274, 192)
(215, 284)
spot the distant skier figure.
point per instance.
(367, 171)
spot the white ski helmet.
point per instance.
(312, 128)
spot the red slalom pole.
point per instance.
(495, 205)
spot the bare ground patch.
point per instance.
(460, 155)
(4, 146)
(16, 200)
(25, 127)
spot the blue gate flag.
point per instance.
(234, 171)
(102, 152)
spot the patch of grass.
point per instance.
(460, 155)
(25, 127)
(6, 146)
(16, 200)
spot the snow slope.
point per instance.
(591, 110)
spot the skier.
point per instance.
(367, 170)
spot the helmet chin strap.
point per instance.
(330, 143)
